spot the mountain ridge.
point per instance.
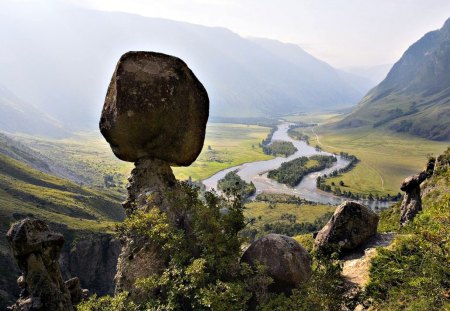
(242, 78)
(414, 97)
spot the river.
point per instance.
(256, 172)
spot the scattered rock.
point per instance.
(155, 108)
(351, 225)
(287, 262)
(36, 250)
(412, 203)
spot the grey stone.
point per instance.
(351, 225)
(287, 262)
(155, 107)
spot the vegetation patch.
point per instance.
(284, 218)
(232, 183)
(292, 172)
(415, 273)
(278, 147)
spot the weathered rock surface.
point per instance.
(351, 225)
(287, 262)
(93, 259)
(36, 250)
(412, 202)
(151, 185)
(155, 107)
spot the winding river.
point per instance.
(256, 172)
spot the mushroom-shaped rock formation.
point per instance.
(155, 115)
(36, 250)
(287, 262)
(351, 225)
(155, 108)
(412, 203)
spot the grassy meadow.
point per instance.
(386, 158)
(226, 145)
(265, 212)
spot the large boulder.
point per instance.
(412, 202)
(287, 262)
(351, 225)
(36, 249)
(155, 107)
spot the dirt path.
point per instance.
(356, 265)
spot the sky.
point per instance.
(344, 33)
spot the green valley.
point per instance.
(226, 145)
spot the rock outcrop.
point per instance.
(155, 108)
(351, 225)
(93, 259)
(412, 202)
(287, 262)
(155, 115)
(36, 249)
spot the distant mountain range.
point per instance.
(18, 116)
(415, 96)
(60, 58)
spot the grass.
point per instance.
(230, 145)
(27, 192)
(385, 158)
(265, 212)
(310, 118)
(86, 155)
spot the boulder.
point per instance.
(351, 225)
(155, 107)
(287, 262)
(412, 202)
(36, 249)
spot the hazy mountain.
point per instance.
(61, 58)
(19, 116)
(375, 74)
(415, 96)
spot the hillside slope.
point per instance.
(85, 216)
(78, 49)
(415, 96)
(414, 273)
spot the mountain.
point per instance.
(18, 116)
(61, 58)
(375, 74)
(414, 98)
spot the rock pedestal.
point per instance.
(351, 225)
(412, 203)
(36, 249)
(287, 262)
(155, 115)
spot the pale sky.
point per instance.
(341, 32)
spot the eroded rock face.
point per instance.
(412, 202)
(155, 107)
(287, 262)
(351, 225)
(36, 250)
